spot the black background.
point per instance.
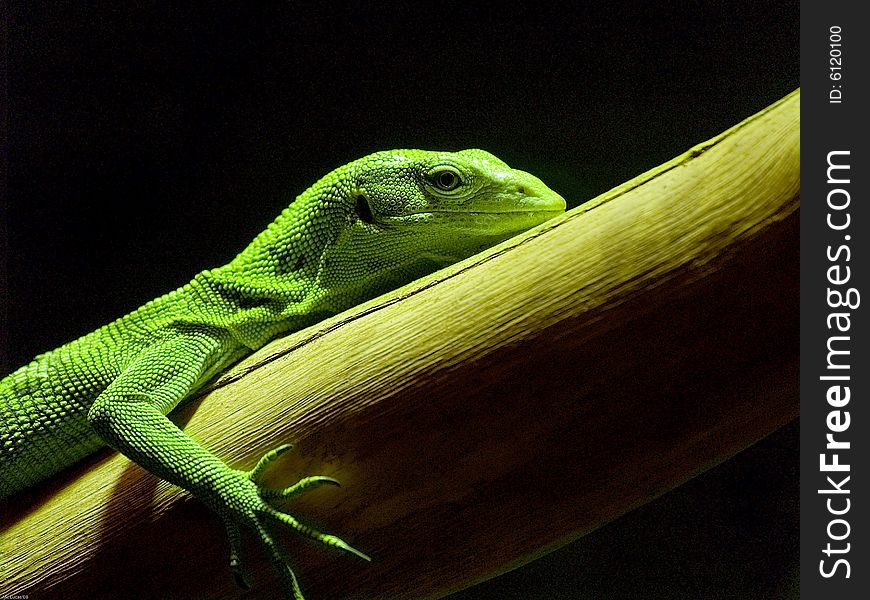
(149, 142)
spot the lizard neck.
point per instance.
(272, 286)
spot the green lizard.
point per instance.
(365, 228)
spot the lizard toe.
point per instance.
(326, 539)
(297, 488)
(256, 474)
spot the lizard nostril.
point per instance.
(521, 189)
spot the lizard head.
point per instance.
(391, 217)
(406, 213)
(445, 205)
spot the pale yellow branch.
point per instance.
(488, 413)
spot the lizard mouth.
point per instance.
(489, 212)
(483, 222)
(499, 215)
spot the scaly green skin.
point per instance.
(365, 228)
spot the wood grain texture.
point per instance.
(488, 413)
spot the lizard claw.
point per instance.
(238, 576)
(339, 543)
(249, 499)
(235, 539)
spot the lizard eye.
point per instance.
(446, 179)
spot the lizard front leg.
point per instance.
(130, 416)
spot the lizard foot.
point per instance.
(244, 502)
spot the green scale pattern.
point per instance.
(363, 229)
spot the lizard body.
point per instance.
(363, 229)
